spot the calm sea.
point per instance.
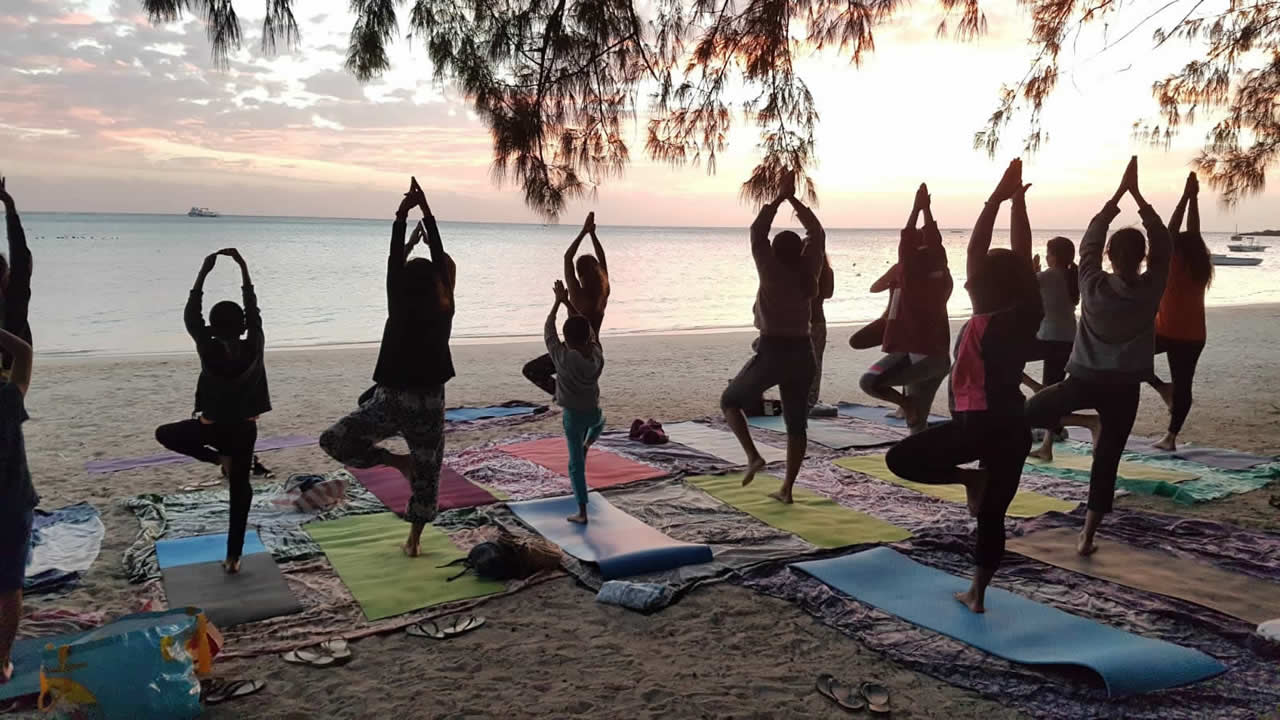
(117, 283)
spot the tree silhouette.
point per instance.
(554, 80)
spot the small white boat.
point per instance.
(201, 212)
(1229, 260)
(1250, 247)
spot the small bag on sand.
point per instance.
(506, 558)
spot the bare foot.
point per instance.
(975, 488)
(782, 497)
(224, 461)
(1044, 452)
(968, 600)
(1085, 546)
(231, 566)
(754, 466)
(912, 416)
(411, 549)
(896, 414)
(1169, 442)
(579, 519)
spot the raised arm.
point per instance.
(1159, 243)
(1020, 224)
(1192, 193)
(252, 315)
(18, 292)
(550, 335)
(921, 202)
(1094, 243)
(980, 240)
(193, 315)
(597, 247)
(18, 349)
(396, 255)
(815, 247)
(570, 273)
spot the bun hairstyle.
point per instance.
(1126, 249)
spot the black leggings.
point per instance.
(541, 371)
(206, 442)
(1117, 406)
(1000, 444)
(1183, 356)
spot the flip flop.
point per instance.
(831, 689)
(437, 631)
(337, 649)
(202, 485)
(219, 691)
(877, 697)
(314, 658)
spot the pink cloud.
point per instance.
(74, 19)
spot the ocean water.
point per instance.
(116, 283)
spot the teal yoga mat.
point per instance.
(1014, 628)
(880, 415)
(619, 544)
(202, 549)
(835, 435)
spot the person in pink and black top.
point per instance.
(916, 331)
(988, 422)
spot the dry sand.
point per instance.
(552, 651)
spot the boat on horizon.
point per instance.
(1240, 261)
(201, 212)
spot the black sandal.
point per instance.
(877, 697)
(833, 690)
(217, 691)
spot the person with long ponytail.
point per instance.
(1060, 294)
(1180, 323)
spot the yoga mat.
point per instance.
(619, 544)
(102, 467)
(1127, 470)
(1014, 628)
(604, 469)
(467, 414)
(393, 489)
(1220, 458)
(365, 550)
(720, 443)
(202, 549)
(880, 415)
(26, 657)
(1250, 599)
(257, 592)
(1025, 503)
(824, 432)
(818, 520)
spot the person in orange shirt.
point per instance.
(1180, 325)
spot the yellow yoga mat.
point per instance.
(1128, 470)
(812, 517)
(1025, 503)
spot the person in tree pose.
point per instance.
(18, 498)
(818, 331)
(1060, 294)
(789, 270)
(1180, 324)
(987, 418)
(15, 277)
(579, 361)
(230, 395)
(917, 331)
(414, 363)
(1115, 337)
(587, 280)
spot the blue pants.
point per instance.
(580, 428)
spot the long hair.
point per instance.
(1065, 250)
(592, 277)
(1191, 248)
(424, 283)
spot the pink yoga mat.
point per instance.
(604, 469)
(393, 490)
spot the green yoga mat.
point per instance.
(1127, 470)
(365, 550)
(1025, 503)
(812, 517)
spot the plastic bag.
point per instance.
(140, 666)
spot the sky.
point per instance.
(100, 111)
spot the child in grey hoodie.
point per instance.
(579, 361)
(1114, 345)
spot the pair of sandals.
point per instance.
(330, 653)
(872, 697)
(443, 630)
(218, 690)
(649, 433)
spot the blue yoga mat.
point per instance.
(466, 414)
(619, 544)
(830, 433)
(1014, 628)
(880, 415)
(202, 549)
(26, 656)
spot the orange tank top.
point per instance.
(1181, 315)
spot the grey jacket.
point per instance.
(1115, 338)
(577, 376)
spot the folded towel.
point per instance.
(633, 596)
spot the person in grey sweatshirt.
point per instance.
(579, 361)
(1115, 339)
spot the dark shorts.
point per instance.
(15, 548)
(789, 364)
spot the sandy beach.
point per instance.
(551, 651)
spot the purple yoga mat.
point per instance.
(102, 467)
(389, 486)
